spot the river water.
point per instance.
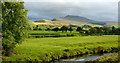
(83, 58)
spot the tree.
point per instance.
(14, 22)
(99, 31)
(86, 26)
(40, 29)
(93, 31)
(55, 29)
(48, 29)
(113, 31)
(79, 29)
(70, 29)
(37, 27)
(86, 32)
(106, 30)
(64, 28)
(117, 31)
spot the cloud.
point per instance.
(100, 11)
(71, 0)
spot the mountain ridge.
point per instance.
(75, 18)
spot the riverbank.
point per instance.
(89, 57)
(51, 49)
(111, 58)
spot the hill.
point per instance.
(47, 23)
(74, 20)
(78, 19)
(60, 22)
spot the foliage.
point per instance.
(79, 29)
(48, 29)
(14, 22)
(70, 29)
(86, 26)
(55, 29)
(64, 28)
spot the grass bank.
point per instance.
(50, 49)
(112, 58)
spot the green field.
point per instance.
(47, 49)
(53, 34)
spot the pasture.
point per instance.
(49, 49)
(41, 34)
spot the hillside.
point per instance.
(47, 23)
(61, 22)
(78, 19)
(74, 20)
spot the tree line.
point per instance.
(91, 31)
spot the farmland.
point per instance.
(49, 49)
(41, 34)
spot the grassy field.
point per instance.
(48, 49)
(53, 34)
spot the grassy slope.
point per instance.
(46, 49)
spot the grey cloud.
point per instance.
(104, 11)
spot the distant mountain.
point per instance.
(78, 18)
(73, 18)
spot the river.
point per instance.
(83, 58)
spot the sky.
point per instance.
(99, 10)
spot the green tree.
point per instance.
(37, 27)
(86, 32)
(40, 29)
(93, 31)
(99, 31)
(64, 28)
(70, 29)
(117, 31)
(48, 29)
(55, 29)
(79, 29)
(14, 22)
(106, 30)
(113, 31)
